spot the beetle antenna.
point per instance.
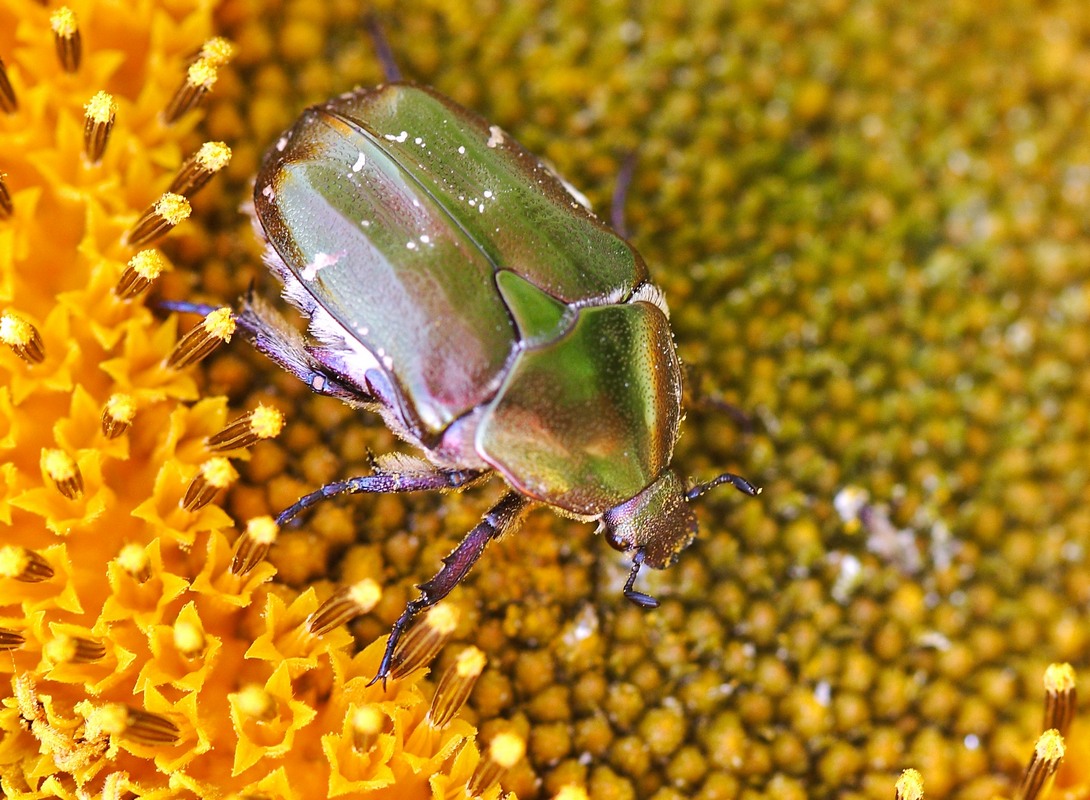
(639, 598)
(737, 481)
(382, 49)
(620, 194)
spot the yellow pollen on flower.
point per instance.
(254, 702)
(217, 50)
(143, 268)
(134, 560)
(164, 215)
(424, 640)
(66, 36)
(571, 792)
(199, 168)
(264, 422)
(505, 750)
(367, 722)
(345, 605)
(22, 337)
(455, 686)
(200, 77)
(23, 564)
(63, 470)
(910, 785)
(214, 330)
(215, 474)
(189, 639)
(8, 102)
(253, 545)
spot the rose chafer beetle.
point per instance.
(457, 286)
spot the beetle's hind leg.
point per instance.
(499, 519)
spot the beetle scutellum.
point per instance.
(458, 287)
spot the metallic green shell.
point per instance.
(393, 207)
(590, 419)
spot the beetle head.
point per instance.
(657, 523)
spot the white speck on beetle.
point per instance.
(281, 143)
(321, 261)
(480, 208)
(411, 245)
(425, 238)
(359, 163)
(418, 140)
(487, 193)
(461, 149)
(495, 137)
(268, 193)
(365, 223)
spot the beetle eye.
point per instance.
(615, 539)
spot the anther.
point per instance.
(253, 545)
(217, 51)
(6, 207)
(10, 640)
(199, 168)
(8, 103)
(99, 115)
(118, 415)
(505, 750)
(1047, 755)
(264, 422)
(143, 268)
(22, 337)
(910, 785)
(23, 564)
(134, 560)
(215, 474)
(366, 723)
(424, 640)
(167, 213)
(73, 650)
(199, 79)
(254, 702)
(455, 685)
(214, 330)
(189, 639)
(1060, 697)
(63, 470)
(66, 37)
(345, 605)
(135, 724)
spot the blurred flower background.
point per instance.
(870, 221)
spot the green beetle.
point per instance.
(457, 286)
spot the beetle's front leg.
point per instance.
(383, 483)
(499, 519)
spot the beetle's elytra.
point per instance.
(455, 285)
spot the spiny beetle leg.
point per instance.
(499, 519)
(382, 49)
(737, 481)
(382, 483)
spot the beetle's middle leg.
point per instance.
(499, 519)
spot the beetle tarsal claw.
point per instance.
(639, 598)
